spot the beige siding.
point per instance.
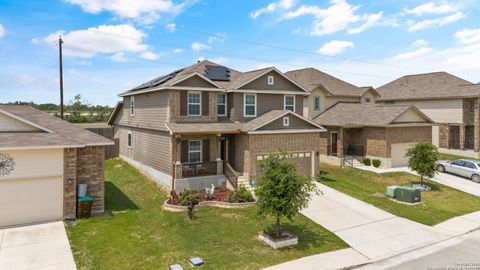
(265, 103)
(35, 163)
(441, 111)
(410, 116)
(149, 147)
(196, 81)
(151, 110)
(325, 102)
(280, 83)
(9, 124)
(368, 96)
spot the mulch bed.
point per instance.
(219, 195)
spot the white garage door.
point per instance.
(25, 201)
(398, 154)
(33, 190)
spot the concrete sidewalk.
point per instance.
(41, 246)
(449, 180)
(373, 234)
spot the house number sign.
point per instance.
(6, 164)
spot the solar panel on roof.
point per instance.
(217, 73)
(155, 82)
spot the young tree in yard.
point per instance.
(422, 160)
(281, 190)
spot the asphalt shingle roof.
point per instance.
(63, 133)
(360, 114)
(428, 86)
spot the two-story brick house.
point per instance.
(448, 100)
(208, 124)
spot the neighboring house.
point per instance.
(384, 132)
(208, 124)
(42, 159)
(448, 100)
(326, 91)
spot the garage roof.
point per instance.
(47, 131)
(361, 114)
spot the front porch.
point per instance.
(346, 145)
(203, 160)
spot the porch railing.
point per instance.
(353, 152)
(230, 174)
(199, 169)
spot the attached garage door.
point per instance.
(33, 190)
(25, 201)
(398, 154)
(304, 160)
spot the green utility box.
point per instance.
(408, 194)
(391, 191)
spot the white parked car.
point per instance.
(462, 167)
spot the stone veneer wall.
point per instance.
(83, 165)
(443, 134)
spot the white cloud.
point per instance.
(433, 8)
(413, 54)
(145, 11)
(178, 50)
(468, 36)
(149, 56)
(197, 46)
(217, 38)
(104, 39)
(171, 27)
(119, 57)
(340, 15)
(431, 23)
(419, 43)
(335, 47)
(274, 6)
(2, 31)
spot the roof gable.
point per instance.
(257, 80)
(411, 115)
(270, 117)
(10, 122)
(194, 80)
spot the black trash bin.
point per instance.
(84, 206)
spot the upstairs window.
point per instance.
(316, 103)
(270, 80)
(289, 103)
(129, 139)
(250, 105)
(194, 151)
(132, 105)
(194, 103)
(222, 104)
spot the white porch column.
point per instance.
(178, 163)
(219, 156)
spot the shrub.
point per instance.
(367, 161)
(376, 163)
(241, 195)
(190, 198)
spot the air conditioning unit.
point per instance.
(408, 194)
(391, 191)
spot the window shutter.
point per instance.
(184, 149)
(205, 101)
(183, 103)
(206, 150)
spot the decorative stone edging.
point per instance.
(180, 208)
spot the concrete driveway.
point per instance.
(42, 246)
(371, 231)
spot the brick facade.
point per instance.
(83, 166)
(174, 101)
(444, 134)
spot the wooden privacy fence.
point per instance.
(111, 151)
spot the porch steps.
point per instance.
(244, 181)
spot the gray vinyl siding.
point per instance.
(149, 147)
(295, 123)
(279, 83)
(265, 103)
(151, 111)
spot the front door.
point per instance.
(334, 143)
(223, 148)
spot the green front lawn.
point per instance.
(439, 204)
(444, 156)
(140, 235)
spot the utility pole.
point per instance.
(60, 42)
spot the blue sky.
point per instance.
(113, 45)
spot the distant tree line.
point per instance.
(77, 110)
